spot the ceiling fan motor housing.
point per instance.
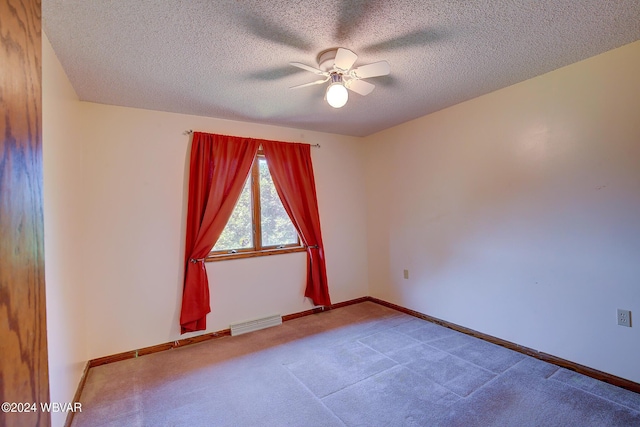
(326, 59)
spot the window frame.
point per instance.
(256, 226)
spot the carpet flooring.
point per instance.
(360, 365)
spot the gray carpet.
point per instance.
(361, 365)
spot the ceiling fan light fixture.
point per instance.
(336, 66)
(337, 95)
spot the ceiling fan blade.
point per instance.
(344, 59)
(317, 82)
(309, 68)
(360, 86)
(371, 70)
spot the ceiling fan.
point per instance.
(335, 66)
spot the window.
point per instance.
(259, 225)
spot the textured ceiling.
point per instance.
(230, 59)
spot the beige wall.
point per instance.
(517, 213)
(63, 225)
(135, 201)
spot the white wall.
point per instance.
(517, 213)
(135, 200)
(63, 222)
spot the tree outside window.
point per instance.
(259, 222)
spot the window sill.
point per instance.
(253, 254)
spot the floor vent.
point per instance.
(254, 325)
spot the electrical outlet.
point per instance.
(624, 318)
(406, 274)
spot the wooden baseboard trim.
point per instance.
(349, 302)
(581, 369)
(76, 397)
(209, 336)
(321, 309)
(159, 347)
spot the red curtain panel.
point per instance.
(292, 173)
(219, 167)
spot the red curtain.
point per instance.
(218, 169)
(292, 173)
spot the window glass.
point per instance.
(277, 229)
(238, 233)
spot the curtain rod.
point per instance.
(190, 131)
